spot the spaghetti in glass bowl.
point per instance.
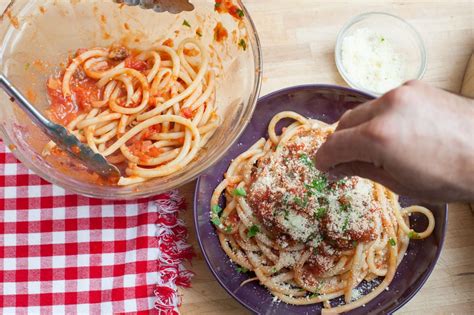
(161, 95)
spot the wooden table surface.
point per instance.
(298, 39)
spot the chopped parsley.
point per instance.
(413, 234)
(345, 224)
(344, 207)
(216, 209)
(27, 66)
(310, 237)
(301, 202)
(216, 221)
(319, 213)
(186, 23)
(243, 44)
(286, 214)
(217, 5)
(306, 160)
(240, 13)
(228, 229)
(342, 181)
(392, 242)
(273, 270)
(241, 269)
(240, 191)
(313, 295)
(253, 230)
(382, 39)
(317, 184)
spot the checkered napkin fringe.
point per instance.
(64, 253)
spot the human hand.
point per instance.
(416, 140)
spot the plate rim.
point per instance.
(288, 90)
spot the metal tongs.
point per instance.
(171, 6)
(65, 140)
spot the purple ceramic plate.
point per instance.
(326, 103)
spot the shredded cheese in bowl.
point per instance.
(371, 61)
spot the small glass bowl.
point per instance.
(403, 36)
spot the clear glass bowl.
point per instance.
(41, 34)
(403, 36)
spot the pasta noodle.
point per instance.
(151, 111)
(306, 238)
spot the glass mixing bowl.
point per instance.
(36, 36)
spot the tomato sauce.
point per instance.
(144, 150)
(169, 42)
(187, 112)
(137, 64)
(220, 32)
(227, 6)
(64, 109)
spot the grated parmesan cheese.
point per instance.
(371, 61)
(298, 227)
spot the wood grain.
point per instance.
(298, 39)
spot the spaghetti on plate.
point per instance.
(309, 239)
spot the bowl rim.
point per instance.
(109, 192)
(342, 32)
(422, 279)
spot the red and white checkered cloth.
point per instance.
(64, 253)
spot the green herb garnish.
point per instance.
(306, 160)
(413, 234)
(342, 181)
(320, 212)
(344, 207)
(243, 44)
(240, 191)
(216, 209)
(27, 66)
(240, 13)
(317, 184)
(313, 295)
(253, 230)
(273, 270)
(228, 229)
(216, 221)
(241, 269)
(286, 213)
(392, 242)
(217, 5)
(301, 202)
(345, 224)
(186, 23)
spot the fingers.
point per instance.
(369, 171)
(344, 146)
(358, 115)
